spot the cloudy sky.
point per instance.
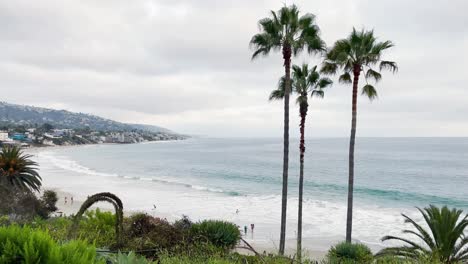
(185, 65)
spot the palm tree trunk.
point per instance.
(284, 195)
(303, 113)
(349, 216)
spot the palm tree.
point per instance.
(291, 34)
(359, 53)
(304, 81)
(18, 170)
(444, 241)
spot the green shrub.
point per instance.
(183, 224)
(220, 233)
(130, 258)
(98, 227)
(28, 245)
(95, 227)
(143, 232)
(350, 253)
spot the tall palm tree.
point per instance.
(284, 30)
(444, 241)
(358, 54)
(304, 81)
(18, 170)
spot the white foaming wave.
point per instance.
(65, 163)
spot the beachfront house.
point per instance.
(4, 136)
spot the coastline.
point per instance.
(261, 246)
(212, 178)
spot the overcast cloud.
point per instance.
(185, 65)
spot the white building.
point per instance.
(4, 136)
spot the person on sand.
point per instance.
(237, 211)
(65, 200)
(71, 200)
(252, 226)
(245, 230)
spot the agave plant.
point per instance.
(444, 241)
(18, 170)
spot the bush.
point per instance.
(219, 233)
(130, 258)
(24, 205)
(350, 253)
(27, 245)
(143, 232)
(183, 224)
(49, 200)
(98, 227)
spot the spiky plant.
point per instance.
(285, 30)
(102, 197)
(444, 240)
(357, 54)
(305, 81)
(18, 170)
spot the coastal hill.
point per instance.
(36, 116)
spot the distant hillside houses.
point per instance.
(46, 135)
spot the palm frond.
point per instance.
(345, 78)
(373, 74)
(369, 91)
(388, 65)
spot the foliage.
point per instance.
(49, 200)
(102, 197)
(221, 233)
(23, 205)
(98, 227)
(18, 170)
(444, 241)
(286, 28)
(359, 52)
(143, 232)
(348, 252)
(130, 258)
(27, 245)
(183, 224)
(304, 81)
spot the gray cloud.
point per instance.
(186, 64)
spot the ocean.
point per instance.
(213, 178)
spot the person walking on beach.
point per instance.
(252, 226)
(65, 200)
(71, 200)
(245, 230)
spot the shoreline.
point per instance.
(261, 246)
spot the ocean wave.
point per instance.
(391, 195)
(71, 165)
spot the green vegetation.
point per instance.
(27, 245)
(359, 53)
(18, 170)
(346, 252)
(103, 197)
(220, 233)
(444, 241)
(285, 30)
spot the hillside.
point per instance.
(31, 116)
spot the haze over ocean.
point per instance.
(212, 178)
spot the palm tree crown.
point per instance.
(285, 29)
(18, 170)
(445, 240)
(359, 52)
(304, 81)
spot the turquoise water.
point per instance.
(406, 171)
(209, 177)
